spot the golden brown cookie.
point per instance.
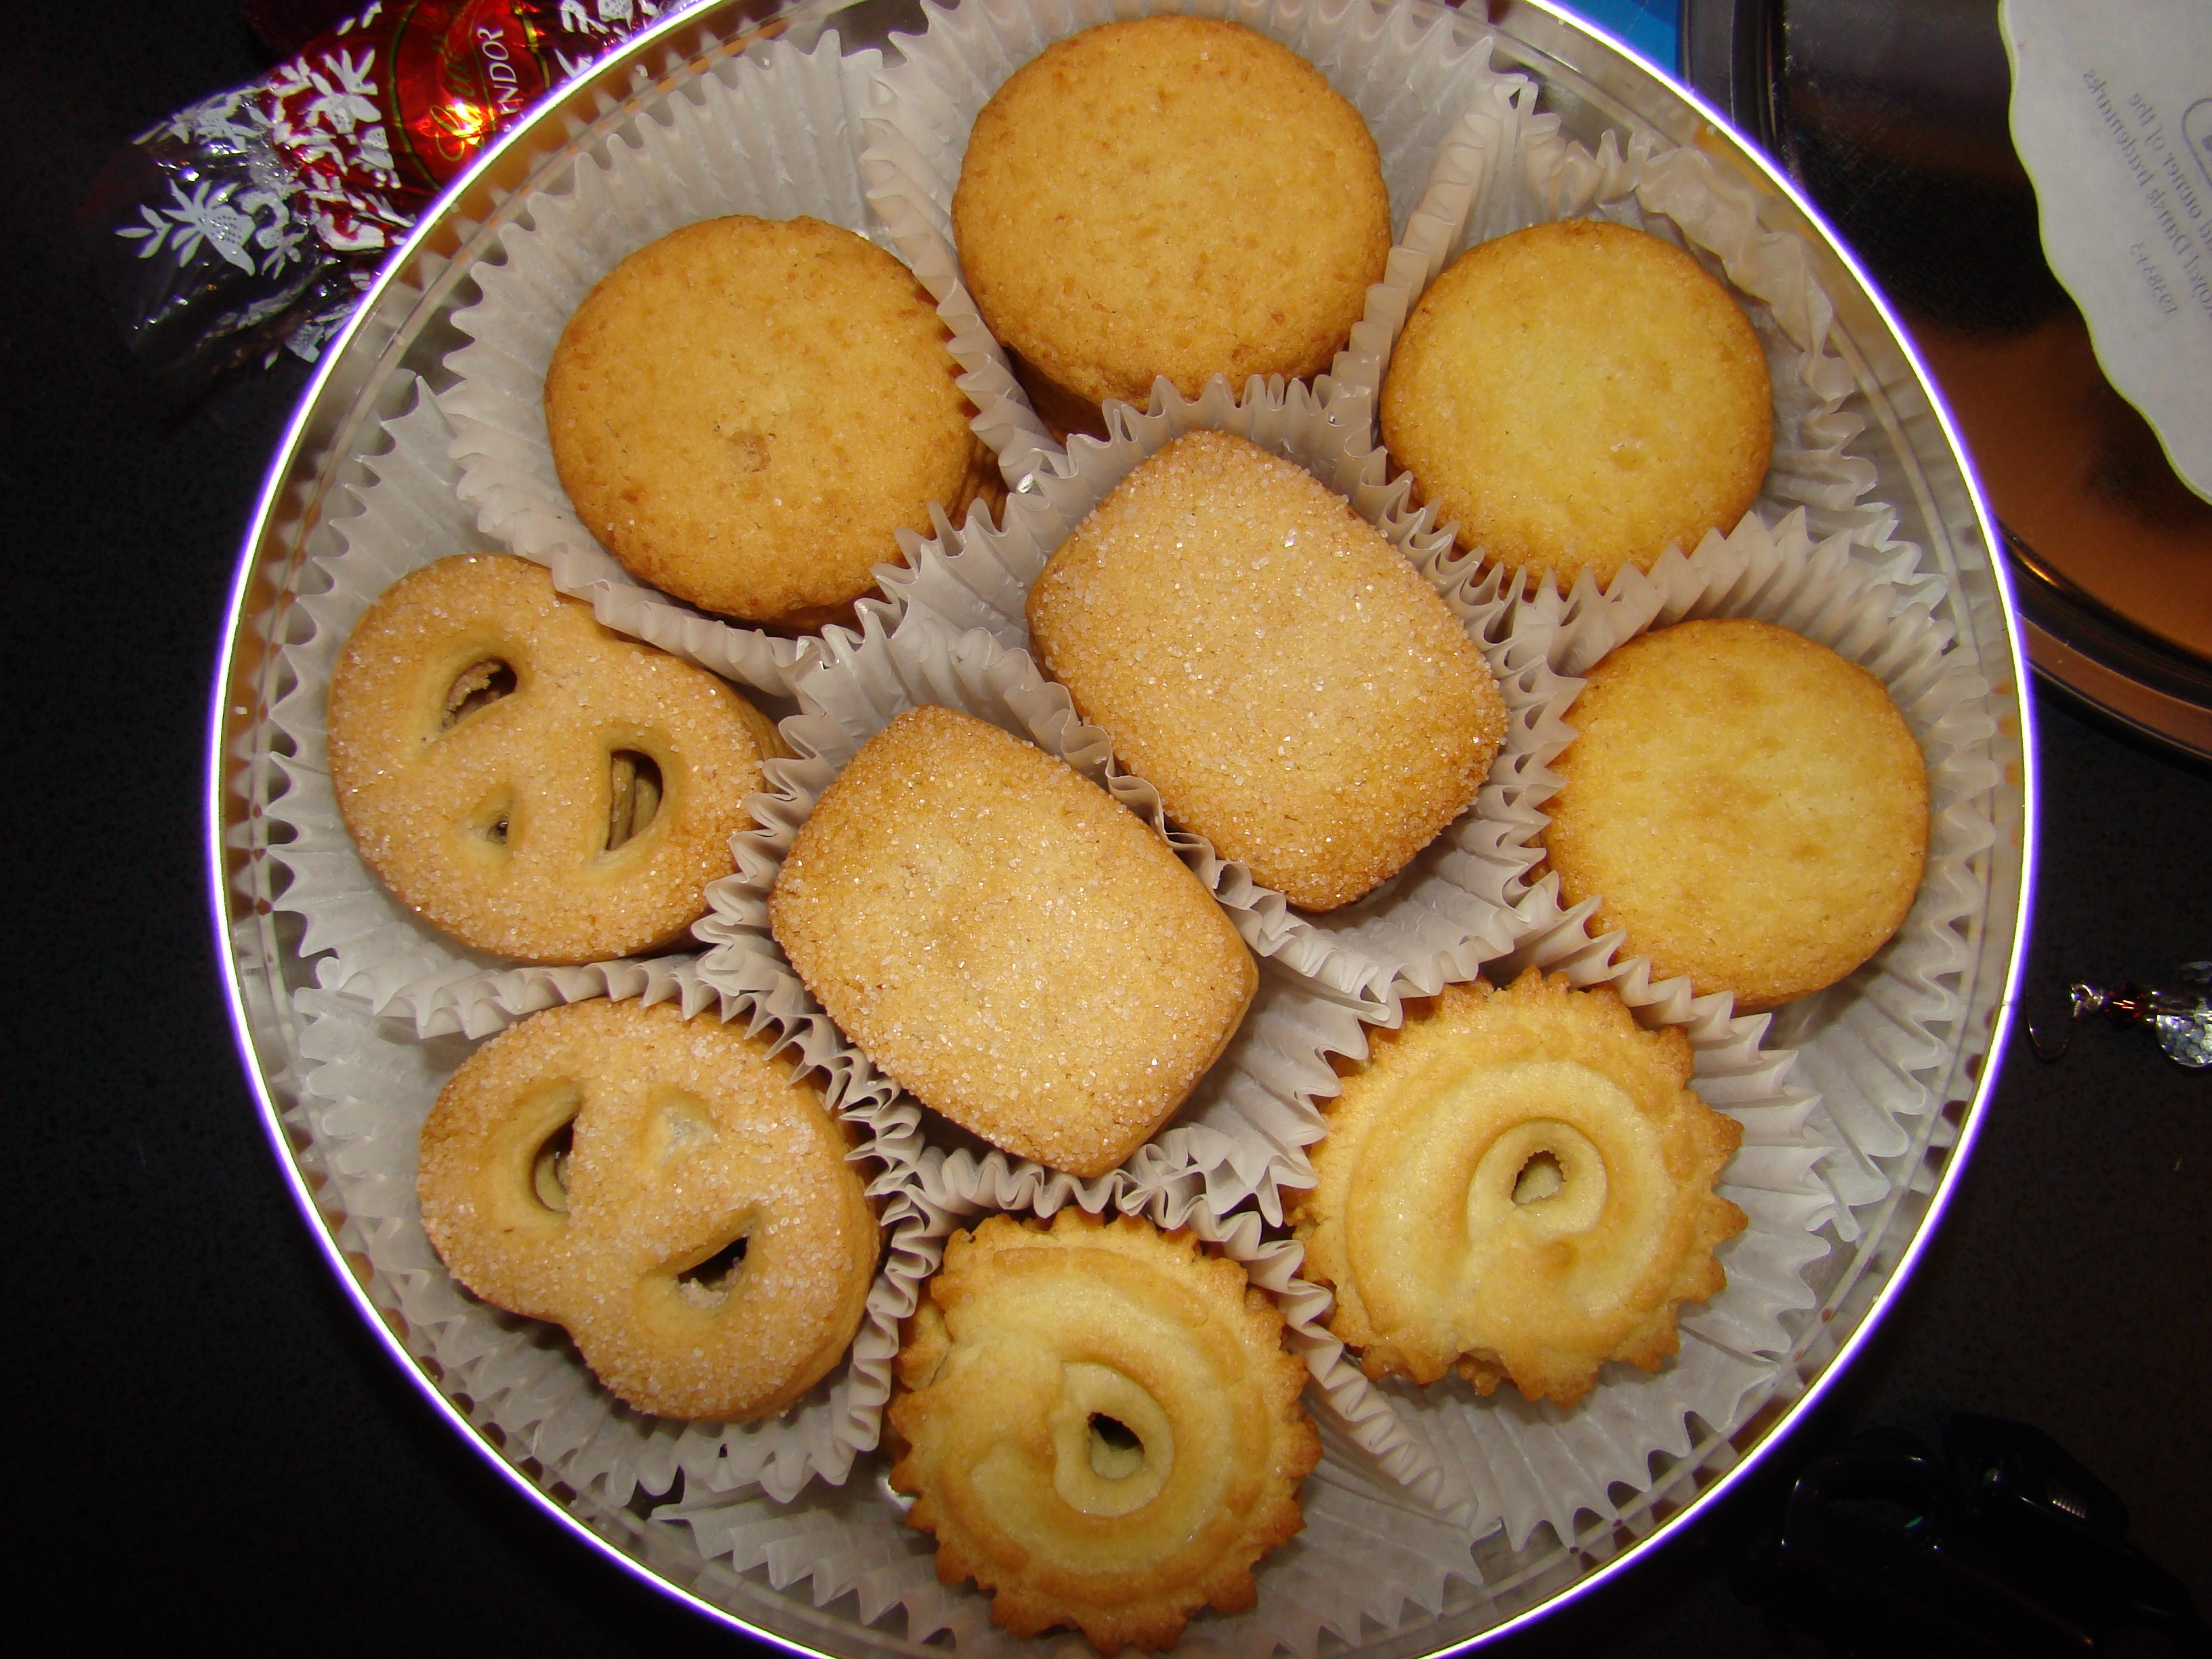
(1580, 396)
(1021, 952)
(666, 1190)
(1749, 808)
(1100, 1425)
(1293, 688)
(529, 782)
(1171, 195)
(1518, 1184)
(745, 410)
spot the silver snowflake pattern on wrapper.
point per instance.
(249, 222)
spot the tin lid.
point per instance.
(1894, 118)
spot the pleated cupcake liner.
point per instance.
(1375, 1548)
(1871, 1042)
(1515, 1466)
(1813, 1165)
(774, 132)
(379, 1025)
(400, 514)
(1507, 166)
(367, 1086)
(1451, 909)
(1409, 68)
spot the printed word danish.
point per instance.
(526, 781)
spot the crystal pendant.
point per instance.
(2187, 1037)
(2186, 1031)
(2179, 1016)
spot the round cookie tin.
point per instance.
(398, 347)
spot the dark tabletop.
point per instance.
(205, 1439)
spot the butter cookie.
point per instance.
(665, 1188)
(746, 412)
(527, 782)
(1101, 1427)
(1298, 694)
(1580, 396)
(1168, 196)
(1518, 1183)
(1023, 953)
(1747, 806)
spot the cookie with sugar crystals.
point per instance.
(1020, 952)
(1580, 396)
(1296, 690)
(528, 782)
(1749, 808)
(1169, 195)
(748, 410)
(668, 1190)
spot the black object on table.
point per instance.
(1886, 1546)
(203, 1440)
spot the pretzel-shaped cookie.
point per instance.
(527, 782)
(665, 1190)
(1103, 1426)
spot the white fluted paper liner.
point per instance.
(365, 943)
(1870, 1043)
(1517, 1464)
(1506, 167)
(366, 1089)
(773, 132)
(1409, 68)
(1374, 1550)
(1810, 1165)
(1451, 909)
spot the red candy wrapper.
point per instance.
(249, 222)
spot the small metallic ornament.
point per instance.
(2179, 1015)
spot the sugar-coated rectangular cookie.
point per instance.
(1296, 690)
(1022, 953)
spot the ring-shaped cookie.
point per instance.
(1518, 1183)
(666, 1190)
(527, 782)
(1102, 1426)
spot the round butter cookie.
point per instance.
(1100, 1425)
(1296, 690)
(1170, 196)
(746, 411)
(665, 1188)
(1518, 1184)
(1580, 396)
(527, 782)
(1747, 806)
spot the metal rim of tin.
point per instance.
(401, 326)
(1732, 56)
